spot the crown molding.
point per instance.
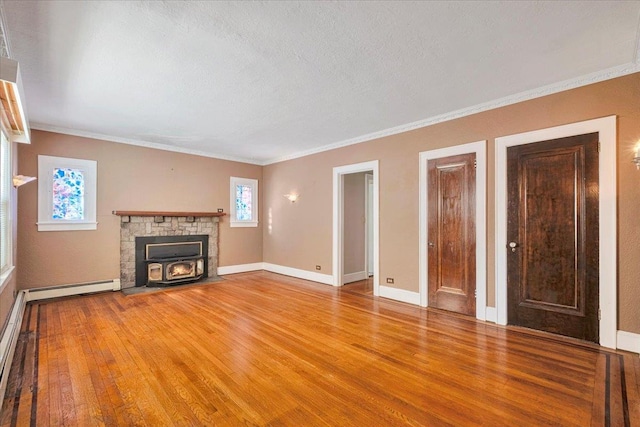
(585, 80)
(139, 143)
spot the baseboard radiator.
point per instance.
(9, 339)
(75, 289)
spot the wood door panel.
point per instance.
(451, 257)
(452, 267)
(552, 274)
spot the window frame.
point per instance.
(253, 183)
(46, 165)
(7, 269)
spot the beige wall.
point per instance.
(303, 238)
(129, 178)
(299, 234)
(354, 222)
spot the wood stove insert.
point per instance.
(171, 260)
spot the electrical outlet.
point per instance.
(318, 267)
(389, 279)
(220, 210)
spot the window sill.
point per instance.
(243, 224)
(66, 226)
(4, 278)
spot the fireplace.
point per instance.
(170, 260)
(135, 271)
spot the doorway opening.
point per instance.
(355, 228)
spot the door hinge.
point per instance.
(475, 293)
(598, 146)
(475, 164)
(599, 314)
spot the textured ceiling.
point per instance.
(265, 81)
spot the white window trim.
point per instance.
(254, 202)
(4, 275)
(46, 164)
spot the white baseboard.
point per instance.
(36, 294)
(400, 295)
(240, 268)
(491, 315)
(354, 277)
(628, 341)
(327, 279)
(10, 338)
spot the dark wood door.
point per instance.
(452, 233)
(552, 232)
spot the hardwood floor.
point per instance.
(363, 287)
(264, 349)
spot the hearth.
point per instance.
(171, 260)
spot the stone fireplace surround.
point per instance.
(145, 224)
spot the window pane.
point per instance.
(243, 203)
(68, 194)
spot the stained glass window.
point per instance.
(68, 194)
(243, 202)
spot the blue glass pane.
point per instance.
(243, 202)
(68, 194)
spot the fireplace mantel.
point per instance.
(152, 213)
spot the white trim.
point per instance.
(66, 225)
(480, 150)
(10, 337)
(354, 277)
(598, 76)
(400, 295)
(338, 220)
(629, 341)
(11, 203)
(300, 274)
(4, 277)
(490, 315)
(235, 181)
(368, 237)
(37, 294)
(240, 268)
(46, 166)
(606, 127)
(141, 143)
(241, 224)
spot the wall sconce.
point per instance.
(636, 159)
(292, 197)
(19, 180)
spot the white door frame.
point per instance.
(338, 220)
(368, 212)
(606, 127)
(480, 149)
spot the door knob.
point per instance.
(431, 244)
(513, 246)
